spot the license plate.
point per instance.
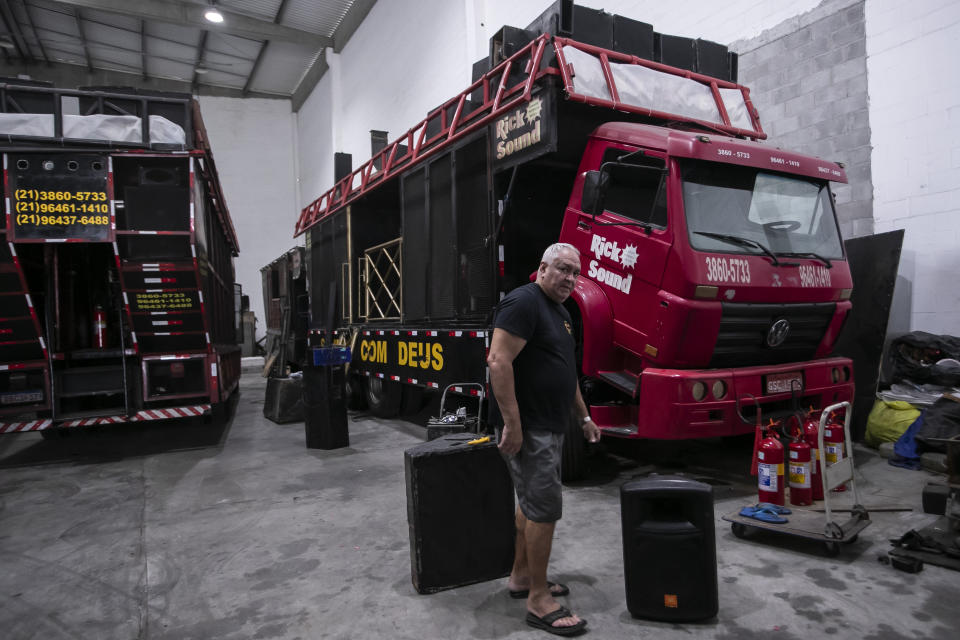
(20, 397)
(784, 382)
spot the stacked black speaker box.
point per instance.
(601, 29)
(460, 511)
(325, 407)
(283, 401)
(669, 549)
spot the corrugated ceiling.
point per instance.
(263, 47)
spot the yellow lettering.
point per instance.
(401, 353)
(364, 349)
(437, 357)
(425, 360)
(382, 351)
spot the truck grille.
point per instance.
(742, 340)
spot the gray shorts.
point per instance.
(535, 470)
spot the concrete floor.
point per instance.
(191, 531)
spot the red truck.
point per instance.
(713, 267)
(117, 286)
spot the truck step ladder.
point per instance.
(625, 381)
(23, 351)
(21, 339)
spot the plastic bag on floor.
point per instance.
(888, 421)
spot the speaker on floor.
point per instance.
(325, 407)
(460, 511)
(669, 548)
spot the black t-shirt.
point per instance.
(545, 370)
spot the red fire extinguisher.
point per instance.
(811, 427)
(99, 328)
(770, 468)
(833, 443)
(801, 491)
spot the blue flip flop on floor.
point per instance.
(764, 512)
(778, 509)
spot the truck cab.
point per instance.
(712, 272)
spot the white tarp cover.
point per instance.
(92, 127)
(736, 108)
(587, 74)
(646, 88)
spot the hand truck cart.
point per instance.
(459, 420)
(810, 524)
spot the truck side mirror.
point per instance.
(594, 187)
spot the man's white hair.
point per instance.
(554, 250)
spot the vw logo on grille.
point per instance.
(778, 332)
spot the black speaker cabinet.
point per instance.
(669, 549)
(675, 51)
(325, 407)
(460, 511)
(633, 37)
(712, 59)
(283, 402)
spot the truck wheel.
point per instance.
(573, 460)
(383, 397)
(356, 399)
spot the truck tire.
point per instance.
(573, 460)
(356, 398)
(383, 397)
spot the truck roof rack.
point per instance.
(589, 74)
(32, 115)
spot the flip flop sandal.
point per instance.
(779, 510)
(762, 514)
(556, 590)
(546, 623)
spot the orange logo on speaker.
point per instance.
(670, 600)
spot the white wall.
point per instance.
(253, 146)
(915, 118)
(315, 141)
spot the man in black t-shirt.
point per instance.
(533, 375)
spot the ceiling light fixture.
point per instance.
(212, 15)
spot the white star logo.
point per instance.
(628, 257)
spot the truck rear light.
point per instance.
(719, 389)
(699, 390)
(706, 292)
(844, 294)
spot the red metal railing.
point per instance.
(460, 116)
(605, 57)
(446, 124)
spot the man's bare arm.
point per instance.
(590, 429)
(504, 348)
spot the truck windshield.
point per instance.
(734, 209)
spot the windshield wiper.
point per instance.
(743, 242)
(807, 254)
